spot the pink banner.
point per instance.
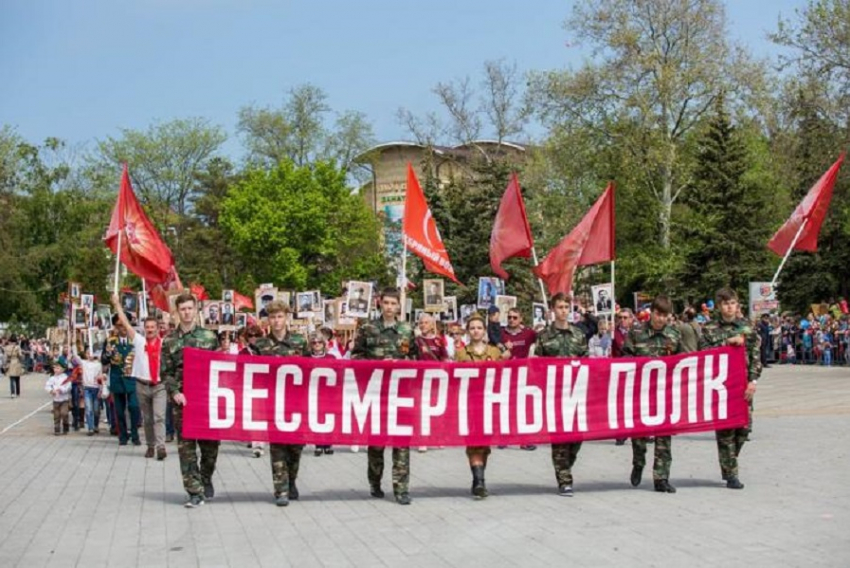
(411, 403)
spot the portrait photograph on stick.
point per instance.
(359, 299)
(603, 303)
(504, 303)
(433, 290)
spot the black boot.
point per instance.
(479, 489)
(663, 486)
(293, 490)
(637, 474)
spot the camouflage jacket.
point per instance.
(716, 332)
(647, 342)
(378, 341)
(171, 360)
(555, 342)
(293, 344)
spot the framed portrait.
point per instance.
(450, 310)
(211, 311)
(285, 296)
(466, 310)
(228, 313)
(75, 291)
(241, 320)
(103, 317)
(87, 302)
(343, 321)
(408, 308)
(262, 298)
(130, 303)
(329, 313)
(227, 295)
(538, 314)
(434, 291)
(359, 299)
(504, 303)
(488, 288)
(417, 315)
(603, 299)
(304, 304)
(80, 318)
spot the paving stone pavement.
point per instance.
(84, 501)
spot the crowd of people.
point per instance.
(136, 380)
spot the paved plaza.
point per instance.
(84, 501)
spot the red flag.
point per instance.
(158, 291)
(420, 231)
(590, 242)
(813, 208)
(511, 234)
(142, 250)
(242, 302)
(198, 291)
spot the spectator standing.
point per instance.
(59, 387)
(14, 366)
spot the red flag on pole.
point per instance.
(198, 291)
(420, 231)
(242, 302)
(142, 250)
(511, 234)
(158, 291)
(811, 211)
(590, 242)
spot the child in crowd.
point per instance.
(59, 387)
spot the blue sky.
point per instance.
(82, 69)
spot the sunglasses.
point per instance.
(513, 317)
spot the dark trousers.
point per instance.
(76, 409)
(169, 418)
(15, 385)
(123, 402)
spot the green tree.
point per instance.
(659, 65)
(301, 227)
(724, 223)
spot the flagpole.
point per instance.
(145, 298)
(118, 261)
(403, 283)
(613, 295)
(539, 280)
(790, 249)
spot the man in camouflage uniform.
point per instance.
(387, 338)
(561, 339)
(657, 339)
(197, 480)
(731, 329)
(285, 458)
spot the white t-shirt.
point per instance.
(91, 369)
(141, 364)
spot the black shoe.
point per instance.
(528, 448)
(663, 486)
(293, 490)
(209, 490)
(281, 500)
(565, 490)
(329, 451)
(479, 488)
(403, 499)
(734, 483)
(194, 501)
(137, 442)
(637, 474)
(377, 492)
(122, 442)
(318, 452)
(169, 438)
(620, 442)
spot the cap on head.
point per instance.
(493, 310)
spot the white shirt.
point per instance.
(141, 365)
(91, 370)
(55, 382)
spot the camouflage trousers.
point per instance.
(563, 458)
(195, 474)
(401, 468)
(663, 456)
(285, 460)
(729, 444)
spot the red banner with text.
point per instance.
(300, 400)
